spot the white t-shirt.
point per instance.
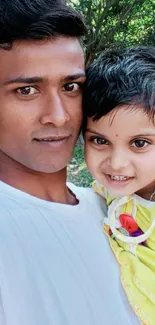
(56, 266)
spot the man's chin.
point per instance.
(53, 166)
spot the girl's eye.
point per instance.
(27, 91)
(72, 87)
(140, 144)
(99, 141)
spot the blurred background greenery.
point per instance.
(115, 23)
(77, 170)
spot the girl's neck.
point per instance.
(147, 193)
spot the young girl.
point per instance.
(119, 131)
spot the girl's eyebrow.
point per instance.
(132, 136)
(143, 135)
(97, 133)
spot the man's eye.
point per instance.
(27, 91)
(139, 144)
(99, 141)
(72, 87)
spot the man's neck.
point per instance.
(49, 187)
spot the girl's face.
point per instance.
(120, 151)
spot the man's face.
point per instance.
(40, 102)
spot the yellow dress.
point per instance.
(136, 259)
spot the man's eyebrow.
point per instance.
(24, 80)
(32, 80)
(74, 77)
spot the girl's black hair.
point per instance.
(120, 77)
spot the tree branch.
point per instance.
(125, 13)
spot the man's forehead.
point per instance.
(72, 43)
(62, 57)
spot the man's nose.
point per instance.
(54, 112)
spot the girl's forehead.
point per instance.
(123, 122)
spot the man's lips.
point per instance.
(53, 142)
(53, 138)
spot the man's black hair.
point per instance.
(36, 20)
(120, 77)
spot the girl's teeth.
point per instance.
(118, 178)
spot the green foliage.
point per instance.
(114, 23)
(77, 170)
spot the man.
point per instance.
(54, 259)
